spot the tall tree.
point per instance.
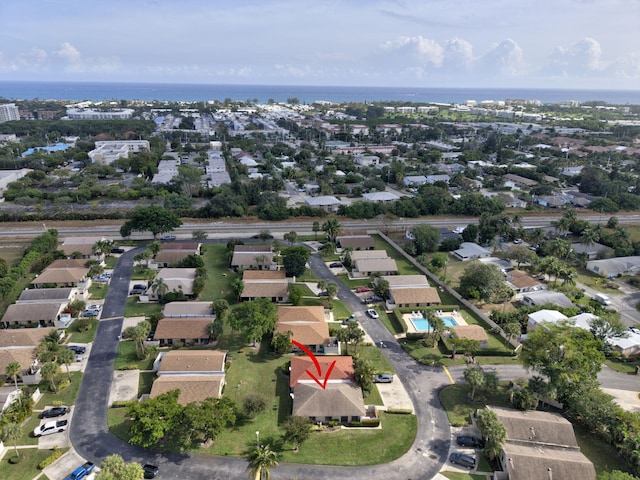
(66, 357)
(13, 370)
(255, 319)
(475, 378)
(492, 430)
(49, 371)
(316, 228)
(114, 467)
(296, 430)
(152, 219)
(426, 238)
(481, 281)
(332, 228)
(12, 431)
(261, 459)
(291, 237)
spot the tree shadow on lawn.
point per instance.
(285, 403)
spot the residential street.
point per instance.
(92, 440)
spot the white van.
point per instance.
(603, 299)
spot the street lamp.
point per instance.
(257, 438)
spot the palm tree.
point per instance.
(332, 228)
(66, 358)
(13, 370)
(511, 329)
(589, 236)
(102, 247)
(322, 285)
(261, 459)
(49, 371)
(159, 287)
(214, 329)
(568, 276)
(238, 286)
(12, 431)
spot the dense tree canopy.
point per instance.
(152, 219)
(481, 281)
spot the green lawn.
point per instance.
(389, 321)
(26, 437)
(627, 367)
(145, 383)
(127, 359)
(133, 308)
(66, 396)
(307, 276)
(27, 468)
(463, 476)
(98, 291)
(219, 276)
(596, 282)
(83, 337)
(404, 266)
(455, 400)
(603, 455)
(352, 283)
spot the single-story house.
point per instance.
(64, 277)
(546, 297)
(46, 295)
(308, 327)
(368, 255)
(25, 356)
(328, 203)
(540, 445)
(23, 337)
(254, 257)
(174, 252)
(471, 332)
(188, 309)
(470, 251)
(356, 242)
(67, 263)
(503, 265)
(265, 284)
(176, 279)
(83, 246)
(413, 297)
(188, 331)
(612, 267)
(380, 197)
(521, 282)
(372, 266)
(446, 234)
(198, 374)
(438, 178)
(342, 398)
(405, 281)
(543, 316)
(414, 180)
(518, 181)
(33, 314)
(627, 346)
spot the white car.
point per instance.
(51, 427)
(372, 313)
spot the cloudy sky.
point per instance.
(418, 43)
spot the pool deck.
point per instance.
(457, 316)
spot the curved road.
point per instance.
(92, 440)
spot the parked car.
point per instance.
(117, 250)
(140, 286)
(81, 472)
(383, 378)
(54, 412)
(469, 441)
(323, 294)
(167, 237)
(77, 348)
(372, 313)
(79, 357)
(352, 318)
(90, 313)
(635, 330)
(372, 299)
(51, 427)
(335, 265)
(362, 289)
(150, 471)
(94, 307)
(136, 291)
(462, 459)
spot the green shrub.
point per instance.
(122, 403)
(57, 453)
(16, 459)
(400, 411)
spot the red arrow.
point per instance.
(323, 385)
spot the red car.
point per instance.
(362, 289)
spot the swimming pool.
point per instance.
(422, 325)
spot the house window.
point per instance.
(355, 418)
(327, 419)
(344, 419)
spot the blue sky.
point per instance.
(420, 43)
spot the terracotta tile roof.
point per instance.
(343, 370)
(193, 361)
(291, 314)
(194, 388)
(415, 295)
(177, 328)
(471, 332)
(337, 400)
(34, 312)
(23, 337)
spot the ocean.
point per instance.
(96, 91)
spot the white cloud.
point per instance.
(415, 51)
(458, 54)
(506, 58)
(581, 58)
(69, 53)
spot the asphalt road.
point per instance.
(92, 440)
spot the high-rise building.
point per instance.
(9, 111)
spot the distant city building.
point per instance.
(92, 114)
(8, 112)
